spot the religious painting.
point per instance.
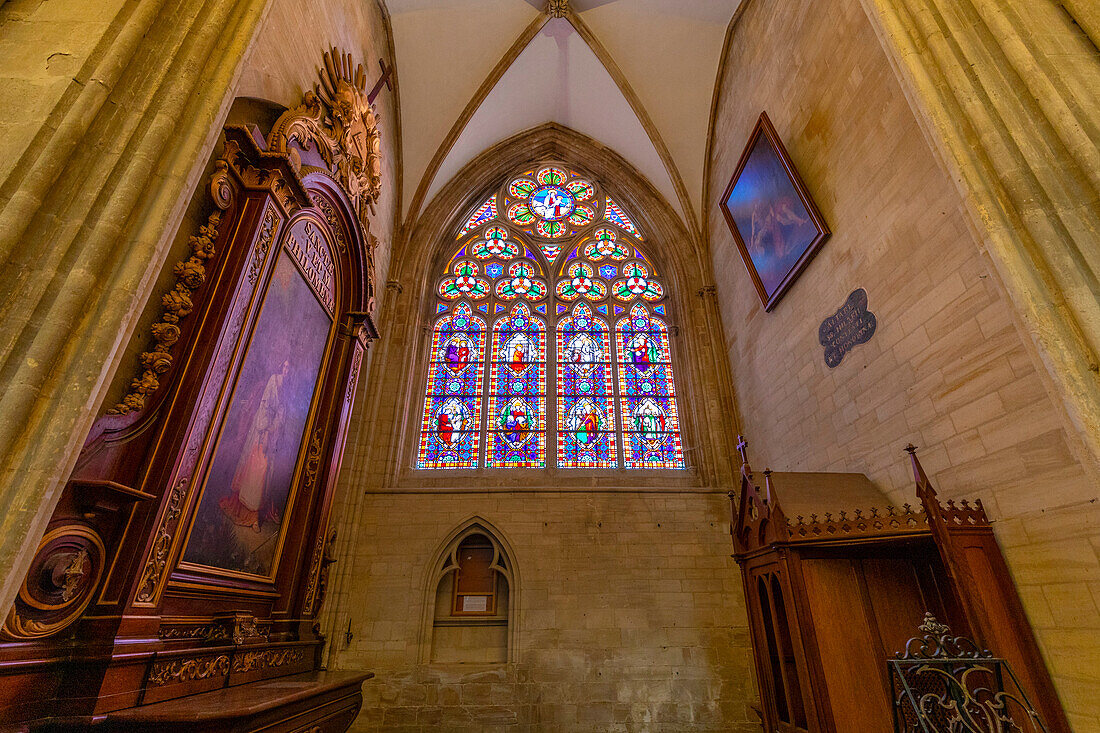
(242, 510)
(775, 223)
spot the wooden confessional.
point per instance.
(178, 584)
(833, 594)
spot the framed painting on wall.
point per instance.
(242, 514)
(774, 221)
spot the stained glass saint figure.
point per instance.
(584, 421)
(643, 352)
(581, 353)
(515, 422)
(649, 420)
(457, 353)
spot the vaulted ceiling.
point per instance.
(636, 75)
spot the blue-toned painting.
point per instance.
(773, 219)
(242, 512)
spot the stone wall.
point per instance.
(948, 367)
(629, 615)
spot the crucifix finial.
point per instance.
(742, 446)
(383, 80)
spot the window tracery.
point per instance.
(611, 401)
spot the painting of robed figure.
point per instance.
(242, 510)
(775, 223)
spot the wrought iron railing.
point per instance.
(948, 684)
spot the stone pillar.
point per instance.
(126, 101)
(1008, 92)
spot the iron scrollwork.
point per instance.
(943, 683)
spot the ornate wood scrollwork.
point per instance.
(324, 555)
(190, 274)
(338, 119)
(249, 661)
(158, 557)
(59, 585)
(186, 670)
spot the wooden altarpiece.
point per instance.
(831, 595)
(189, 551)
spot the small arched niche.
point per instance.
(472, 610)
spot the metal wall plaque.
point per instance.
(849, 327)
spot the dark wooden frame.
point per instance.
(960, 575)
(149, 628)
(764, 127)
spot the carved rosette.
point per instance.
(60, 584)
(557, 8)
(337, 118)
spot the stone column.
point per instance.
(117, 107)
(1008, 92)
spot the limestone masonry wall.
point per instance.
(630, 615)
(947, 368)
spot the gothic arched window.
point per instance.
(549, 256)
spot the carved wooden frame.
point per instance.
(144, 626)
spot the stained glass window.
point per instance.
(486, 212)
(586, 417)
(450, 433)
(550, 256)
(517, 392)
(647, 393)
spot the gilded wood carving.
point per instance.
(186, 670)
(190, 274)
(338, 119)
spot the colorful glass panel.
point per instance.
(494, 245)
(450, 433)
(464, 283)
(647, 393)
(582, 215)
(605, 244)
(586, 416)
(581, 189)
(637, 282)
(552, 229)
(521, 188)
(521, 213)
(615, 404)
(551, 176)
(517, 392)
(581, 282)
(551, 203)
(615, 215)
(550, 251)
(486, 212)
(521, 283)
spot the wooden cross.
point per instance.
(382, 80)
(742, 444)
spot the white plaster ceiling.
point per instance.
(667, 50)
(538, 87)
